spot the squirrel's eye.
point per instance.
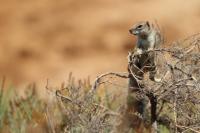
(140, 26)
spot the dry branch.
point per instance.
(176, 96)
(97, 80)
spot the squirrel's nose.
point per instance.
(130, 31)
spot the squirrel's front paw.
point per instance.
(139, 51)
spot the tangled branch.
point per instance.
(179, 89)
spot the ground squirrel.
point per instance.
(148, 38)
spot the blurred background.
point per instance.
(42, 39)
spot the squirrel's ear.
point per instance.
(148, 23)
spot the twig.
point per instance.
(49, 121)
(110, 112)
(97, 80)
(174, 110)
(188, 128)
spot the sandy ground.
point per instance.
(42, 39)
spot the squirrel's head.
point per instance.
(141, 28)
